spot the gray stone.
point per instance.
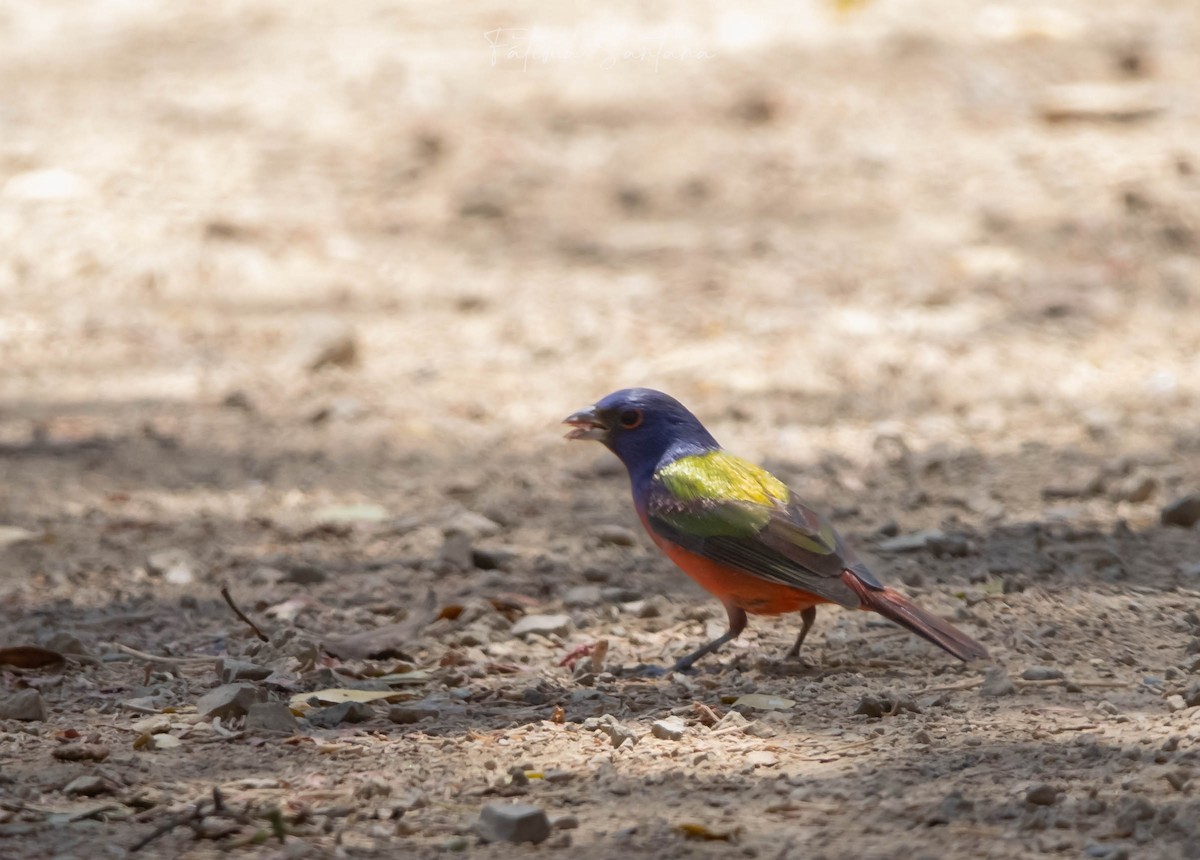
(608, 724)
(1176, 703)
(229, 670)
(471, 524)
(619, 594)
(492, 557)
(412, 712)
(229, 700)
(89, 786)
(1183, 512)
(512, 822)
(176, 566)
(1041, 795)
(948, 546)
(911, 542)
(543, 625)
(344, 712)
(670, 729)
(1135, 488)
(65, 643)
(457, 551)
(270, 718)
(996, 683)
(1192, 695)
(1041, 673)
(25, 705)
(306, 574)
(583, 596)
(615, 535)
(267, 576)
(325, 342)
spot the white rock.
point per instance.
(49, 184)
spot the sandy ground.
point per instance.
(301, 291)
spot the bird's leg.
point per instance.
(737, 623)
(808, 616)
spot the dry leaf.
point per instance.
(379, 643)
(30, 657)
(701, 831)
(337, 695)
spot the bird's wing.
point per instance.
(735, 513)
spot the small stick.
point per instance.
(194, 814)
(1022, 684)
(178, 661)
(229, 599)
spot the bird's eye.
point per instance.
(630, 418)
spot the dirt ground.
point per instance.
(294, 296)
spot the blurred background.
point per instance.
(294, 294)
(977, 220)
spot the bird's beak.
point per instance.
(586, 424)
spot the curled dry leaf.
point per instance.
(703, 831)
(30, 657)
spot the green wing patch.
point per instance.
(721, 477)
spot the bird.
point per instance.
(739, 531)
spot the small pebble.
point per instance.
(670, 729)
(996, 683)
(412, 712)
(543, 625)
(270, 717)
(176, 566)
(343, 712)
(1041, 673)
(25, 705)
(229, 700)
(615, 535)
(89, 786)
(1042, 795)
(1183, 512)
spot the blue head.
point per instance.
(643, 427)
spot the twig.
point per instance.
(229, 599)
(953, 688)
(1022, 684)
(176, 661)
(726, 730)
(196, 813)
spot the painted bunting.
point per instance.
(737, 530)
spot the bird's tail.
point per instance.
(896, 607)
